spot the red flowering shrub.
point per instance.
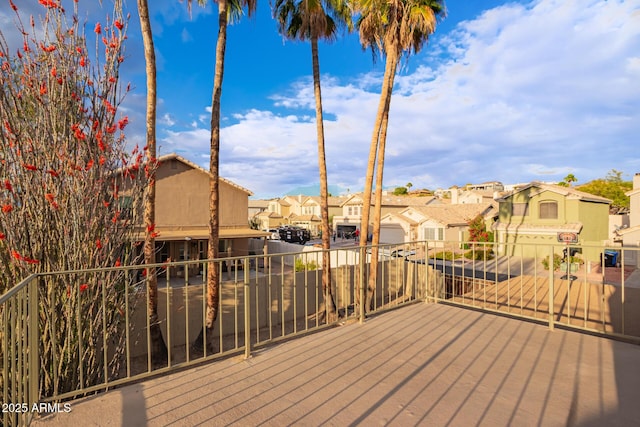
(62, 162)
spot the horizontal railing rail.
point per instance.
(71, 333)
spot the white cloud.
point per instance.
(527, 92)
(166, 120)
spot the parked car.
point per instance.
(275, 234)
(294, 234)
(401, 253)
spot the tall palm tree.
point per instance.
(158, 346)
(393, 27)
(227, 11)
(314, 20)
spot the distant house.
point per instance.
(487, 186)
(257, 206)
(630, 236)
(351, 215)
(438, 223)
(182, 213)
(461, 197)
(536, 213)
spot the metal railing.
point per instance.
(73, 333)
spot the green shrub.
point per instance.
(557, 260)
(483, 254)
(445, 255)
(301, 266)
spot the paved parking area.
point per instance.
(424, 364)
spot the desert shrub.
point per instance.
(482, 254)
(557, 260)
(445, 255)
(302, 266)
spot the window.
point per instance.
(433, 233)
(520, 209)
(549, 210)
(350, 210)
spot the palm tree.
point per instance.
(393, 27)
(158, 347)
(570, 179)
(226, 12)
(313, 20)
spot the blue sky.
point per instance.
(512, 91)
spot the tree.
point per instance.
(314, 20)
(611, 187)
(409, 185)
(392, 27)
(568, 180)
(400, 191)
(69, 189)
(226, 12)
(158, 347)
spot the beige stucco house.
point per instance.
(182, 213)
(630, 236)
(535, 214)
(351, 216)
(440, 223)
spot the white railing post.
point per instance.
(362, 284)
(247, 309)
(551, 291)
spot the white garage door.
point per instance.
(391, 233)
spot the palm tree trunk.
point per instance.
(158, 346)
(213, 275)
(329, 303)
(378, 142)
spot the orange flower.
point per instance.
(123, 122)
(13, 6)
(89, 164)
(50, 48)
(48, 3)
(118, 263)
(43, 89)
(51, 199)
(29, 167)
(8, 185)
(53, 173)
(83, 287)
(7, 208)
(98, 244)
(118, 25)
(82, 61)
(98, 28)
(2, 235)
